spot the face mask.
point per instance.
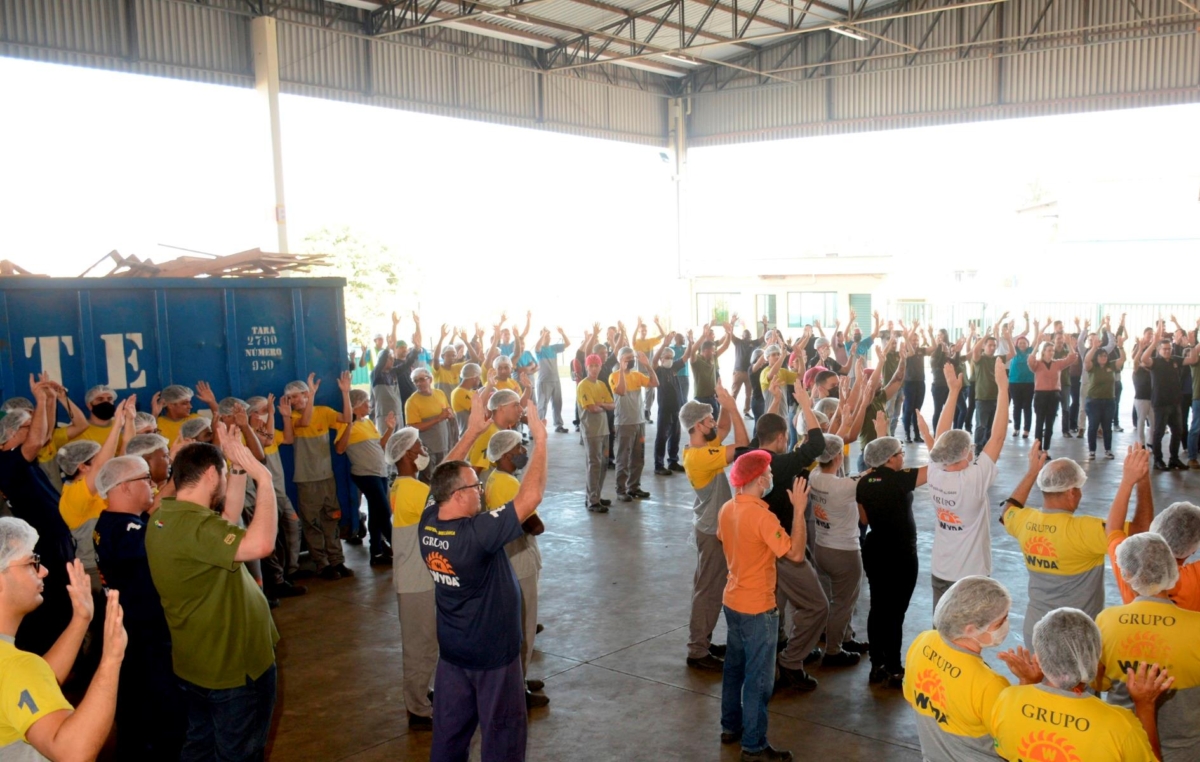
(770, 486)
(834, 392)
(520, 461)
(997, 636)
(711, 434)
(104, 410)
(421, 462)
(628, 364)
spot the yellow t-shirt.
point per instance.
(703, 464)
(57, 440)
(634, 381)
(645, 345)
(1151, 630)
(592, 393)
(363, 430)
(323, 419)
(1057, 542)
(477, 456)
(953, 687)
(98, 434)
(1037, 722)
(460, 399)
(408, 497)
(786, 377)
(28, 693)
(170, 429)
(500, 489)
(421, 407)
(273, 448)
(447, 374)
(509, 383)
(78, 505)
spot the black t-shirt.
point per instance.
(785, 467)
(1141, 383)
(34, 499)
(742, 349)
(756, 391)
(668, 392)
(607, 369)
(887, 497)
(1165, 387)
(914, 366)
(121, 555)
(478, 597)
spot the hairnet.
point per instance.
(624, 352)
(1061, 475)
(97, 390)
(749, 467)
(953, 446)
(501, 360)
(973, 601)
(1147, 563)
(17, 403)
(11, 423)
(692, 413)
(175, 393)
(822, 420)
(448, 350)
(773, 349)
(756, 355)
(142, 419)
(144, 444)
(358, 396)
(256, 403)
(401, 442)
(826, 405)
(230, 406)
(295, 386)
(501, 443)
(1067, 644)
(420, 372)
(501, 398)
(17, 539)
(470, 370)
(880, 450)
(192, 427)
(119, 470)
(1179, 525)
(820, 342)
(834, 446)
(72, 455)
(592, 359)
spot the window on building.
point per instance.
(764, 306)
(714, 308)
(805, 307)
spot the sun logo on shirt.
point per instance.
(820, 513)
(1041, 746)
(948, 517)
(1145, 646)
(930, 684)
(1040, 546)
(439, 563)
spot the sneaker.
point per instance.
(640, 493)
(381, 560)
(1193, 464)
(768, 754)
(1176, 464)
(1016, 433)
(877, 675)
(707, 663)
(730, 738)
(561, 430)
(612, 465)
(798, 679)
(329, 573)
(856, 646)
(1024, 435)
(675, 467)
(814, 656)
(417, 722)
(1091, 456)
(272, 603)
(1159, 465)
(1117, 428)
(535, 700)
(285, 590)
(534, 685)
(597, 508)
(840, 659)
(1108, 455)
(717, 650)
(624, 499)
(355, 540)
(344, 571)
(663, 472)
(605, 502)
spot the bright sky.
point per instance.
(116, 161)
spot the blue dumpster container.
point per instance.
(245, 337)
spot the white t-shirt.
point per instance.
(835, 510)
(962, 537)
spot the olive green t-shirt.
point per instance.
(221, 626)
(891, 361)
(704, 375)
(985, 378)
(1100, 382)
(878, 403)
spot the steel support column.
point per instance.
(265, 46)
(677, 123)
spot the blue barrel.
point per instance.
(245, 337)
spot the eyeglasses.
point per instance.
(34, 560)
(476, 485)
(146, 478)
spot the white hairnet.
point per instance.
(502, 442)
(401, 442)
(17, 403)
(72, 455)
(1147, 563)
(230, 406)
(120, 470)
(625, 352)
(97, 390)
(358, 396)
(822, 420)
(973, 601)
(826, 405)
(773, 349)
(501, 360)
(469, 370)
(449, 350)
(501, 398)
(952, 447)
(295, 387)
(1061, 475)
(1179, 525)
(143, 420)
(192, 427)
(256, 403)
(11, 423)
(1067, 644)
(175, 393)
(17, 539)
(418, 372)
(692, 413)
(834, 446)
(144, 444)
(755, 356)
(880, 450)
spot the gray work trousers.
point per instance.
(418, 649)
(319, 517)
(940, 586)
(549, 395)
(798, 590)
(529, 592)
(845, 571)
(596, 449)
(708, 588)
(287, 539)
(630, 448)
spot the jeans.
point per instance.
(749, 675)
(962, 418)
(971, 403)
(914, 398)
(1076, 389)
(1064, 401)
(1022, 402)
(230, 724)
(1194, 431)
(985, 413)
(940, 395)
(150, 712)
(758, 406)
(1099, 413)
(666, 437)
(1116, 413)
(379, 511)
(1046, 405)
(1164, 416)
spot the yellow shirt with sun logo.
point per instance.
(1039, 723)
(952, 692)
(1156, 631)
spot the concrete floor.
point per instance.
(614, 599)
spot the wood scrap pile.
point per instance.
(254, 263)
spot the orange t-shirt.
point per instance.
(1186, 592)
(752, 539)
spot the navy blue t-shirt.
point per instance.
(121, 555)
(478, 597)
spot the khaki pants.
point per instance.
(844, 568)
(798, 590)
(631, 456)
(419, 649)
(529, 594)
(708, 587)
(319, 517)
(596, 449)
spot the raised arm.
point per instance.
(1135, 469)
(741, 437)
(563, 335)
(954, 381)
(995, 443)
(720, 350)
(285, 412)
(1020, 493)
(437, 350)
(124, 408)
(533, 485)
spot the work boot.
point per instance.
(534, 685)
(798, 679)
(1176, 464)
(767, 755)
(840, 659)
(535, 700)
(856, 646)
(813, 656)
(717, 650)
(707, 663)
(417, 722)
(1194, 464)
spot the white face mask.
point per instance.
(996, 637)
(422, 462)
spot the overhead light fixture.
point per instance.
(508, 17)
(847, 33)
(680, 59)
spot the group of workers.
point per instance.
(784, 534)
